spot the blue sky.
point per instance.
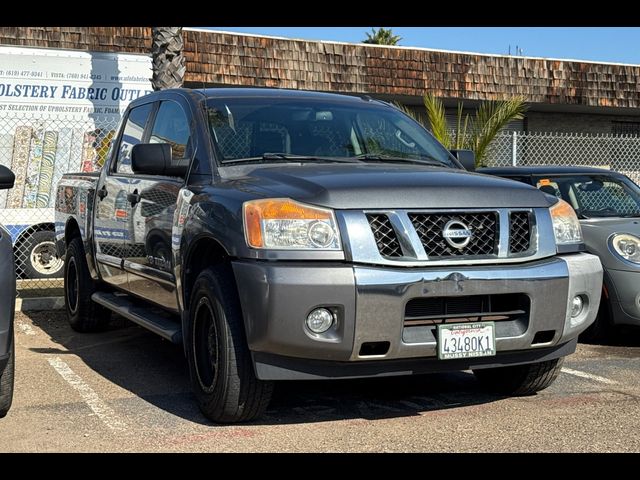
(604, 44)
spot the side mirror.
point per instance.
(7, 178)
(466, 158)
(155, 159)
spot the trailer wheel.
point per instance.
(39, 256)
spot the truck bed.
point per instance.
(74, 199)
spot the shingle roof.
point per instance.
(237, 59)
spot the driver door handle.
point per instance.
(134, 197)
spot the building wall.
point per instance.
(218, 58)
(591, 123)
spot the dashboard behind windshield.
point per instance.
(594, 195)
(247, 128)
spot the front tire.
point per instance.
(520, 380)
(220, 366)
(6, 382)
(84, 314)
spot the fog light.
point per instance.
(577, 304)
(320, 320)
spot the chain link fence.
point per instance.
(616, 152)
(39, 150)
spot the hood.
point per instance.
(372, 186)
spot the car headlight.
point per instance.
(626, 246)
(284, 224)
(566, 226)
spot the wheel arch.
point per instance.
(204, 251)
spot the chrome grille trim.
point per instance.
(360, 245)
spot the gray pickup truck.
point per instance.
(284, 235)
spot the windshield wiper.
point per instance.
(374, 157)
(287, 157)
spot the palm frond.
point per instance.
(490, 118)
(437, 120)
(462, 141)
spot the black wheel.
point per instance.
(83, 314)
(39, 258)
(6, 382)
(600, 330)
(520, 379)
(220, 366)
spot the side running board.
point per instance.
(146, 316)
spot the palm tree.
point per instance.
(167, 50)
(474, 133)
(382, 37)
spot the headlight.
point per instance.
(281, 223)
(566, 226)
(626, 246)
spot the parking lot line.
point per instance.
(590, 376)
(88, 394)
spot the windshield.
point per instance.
(595, 195)
(271, 129)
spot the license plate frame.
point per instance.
(454, 346)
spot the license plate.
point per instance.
(466, 340)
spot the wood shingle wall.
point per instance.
(232, 59)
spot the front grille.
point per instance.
(471, 308)
(519, 232)
(483, 226)
(385, 235)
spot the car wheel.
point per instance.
(39, 256)
(6, 382)
(220, 366)
(84, 314)
(520, 379)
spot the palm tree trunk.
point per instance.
(167, 50)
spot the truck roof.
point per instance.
(278, 92)
(546, 170)
(259, 93)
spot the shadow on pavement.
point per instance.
(156, 371)
(618, 336)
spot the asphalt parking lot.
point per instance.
(126, 390)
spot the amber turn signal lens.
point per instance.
(277, 211)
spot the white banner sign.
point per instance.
(68, 81)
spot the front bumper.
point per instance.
(276, 298)
(624, 296)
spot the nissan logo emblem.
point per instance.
(457, 234)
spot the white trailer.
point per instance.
(58, 113)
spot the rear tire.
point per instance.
(6, 382)
(520, 380)
(220, 366)
(40, 259)
(84, 314)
